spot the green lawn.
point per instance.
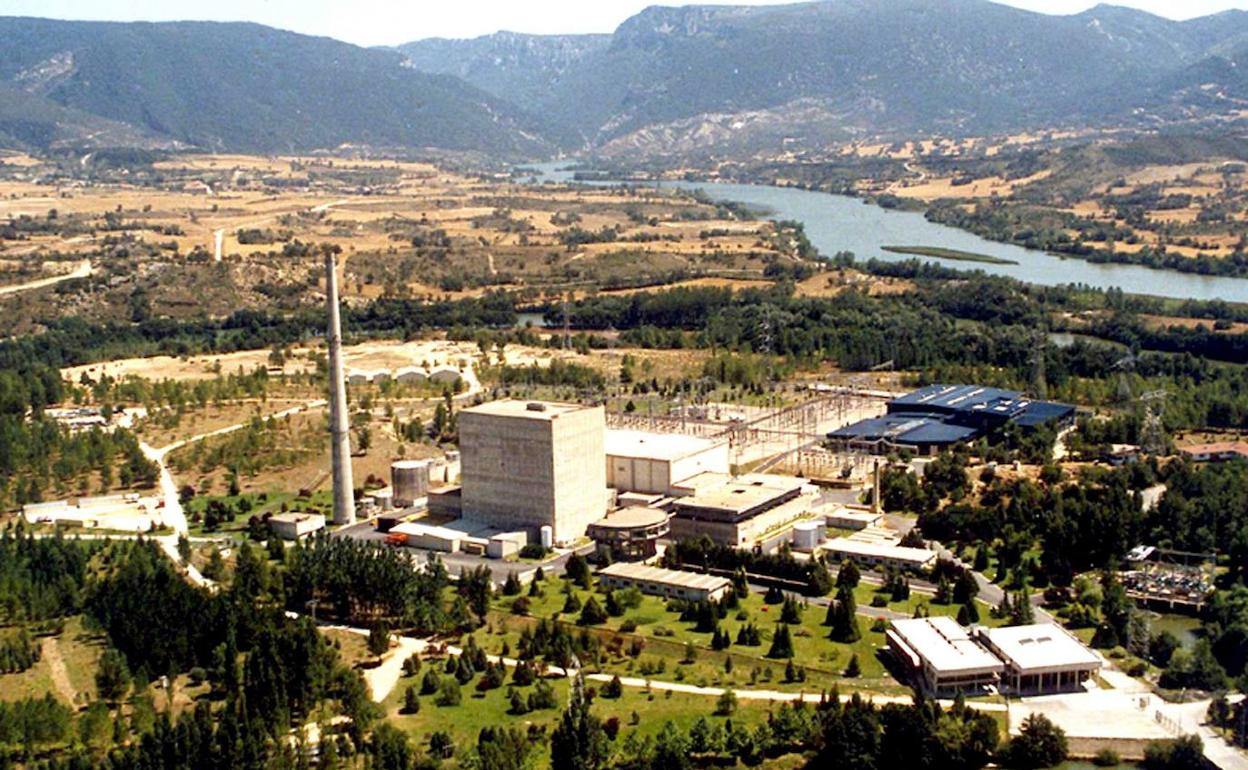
(491, 708)
(272, 503)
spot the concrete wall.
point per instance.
(580, 475)
(638, 474)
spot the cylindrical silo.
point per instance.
(548, 536)
(409, 479)
(805, 535)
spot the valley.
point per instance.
(836, 385)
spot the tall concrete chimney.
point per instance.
(339, 425)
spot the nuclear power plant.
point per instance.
(339, 424)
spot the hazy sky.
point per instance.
(387, 22)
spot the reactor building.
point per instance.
(532, 465)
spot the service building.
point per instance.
(942, 657)
(879, 553)
(292, 526)
(738, 511)
(668, 583)
(1040, 658)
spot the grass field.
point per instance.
(665, 636)
(66, 669)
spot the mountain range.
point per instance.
(715, 78)
(841, 68)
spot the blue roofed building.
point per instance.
(938, 416)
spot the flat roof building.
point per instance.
(427, 537)
(640, 461)
(738, 511)
(292, 526)
(851, 518)
(879, 553)
(1040, 658)
(525, 465)
(1218, 451)
(942, 656)
(669, 583)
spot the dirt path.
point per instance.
(51, 652)
(82, 271)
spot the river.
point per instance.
(837, 223)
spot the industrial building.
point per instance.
(939, 416)
(668, 583)
(941, 656)
(852, 518)
(630, 533)
(129, 512)
(869, 551)
(739, 511)
(293, 526)
(528, 465)
(1040, 658)
(426, 536)
(651, 463)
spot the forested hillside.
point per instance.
(237, 87)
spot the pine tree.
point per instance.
(411, 701)
(854, 669)
(592, 613)
(848, 574)
(613, 605)
(845, 626)
(578, 742)
(781, 643)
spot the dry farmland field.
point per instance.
(187, 236)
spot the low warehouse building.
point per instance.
(1040, 658)
(430, 538)
(630, 533)
(879, 554)
(668, 583)
(852, 518)
(639, 461)
(506, 544)
(942, 657)
(292, 526)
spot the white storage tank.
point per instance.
(409, 481)
(807, 535)
(548, 536)
(384, 498)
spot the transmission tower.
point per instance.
(1039, 380)
(1153, 431)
